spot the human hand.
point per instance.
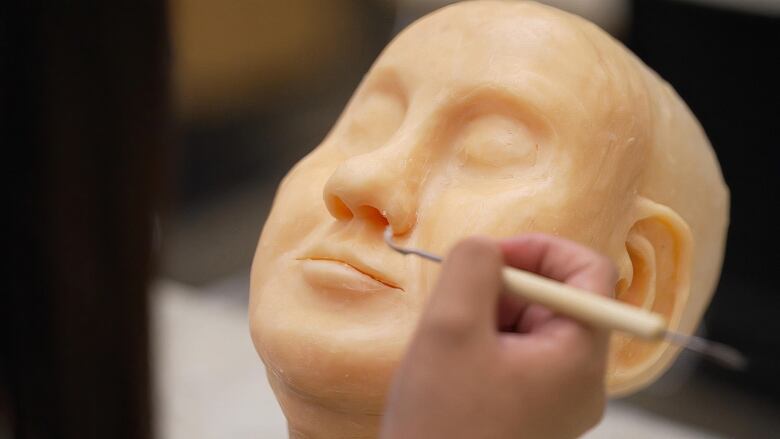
(484, 364)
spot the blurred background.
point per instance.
(152, 140)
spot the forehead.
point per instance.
(558, 67)
(508, 45)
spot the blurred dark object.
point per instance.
(84, 107)
(724, 64)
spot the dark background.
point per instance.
(84, 113)
(122, 118)
(725, 65)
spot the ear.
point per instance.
(655, 275)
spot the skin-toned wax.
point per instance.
(491, 118)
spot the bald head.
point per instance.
(634, 160)
(490, 118)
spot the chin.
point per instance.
(308, 418)
(329, 355)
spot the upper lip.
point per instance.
(348, 257)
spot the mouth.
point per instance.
(333, 272)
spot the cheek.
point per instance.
(458, 212)
(298, 207)
(337, 351)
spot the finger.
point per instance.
(562, 260)
(545, 336)
(567, 262)
(540, 322)
(467, 292)
(551, 257)
(511, 309)
(533, 318)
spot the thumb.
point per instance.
(467, 293)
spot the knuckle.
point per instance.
(608, 268)
(602, 274)
(536, 238)
(476, 248)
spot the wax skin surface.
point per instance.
(491, 118)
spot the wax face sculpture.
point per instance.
(490, 118)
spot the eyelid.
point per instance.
(377, 112)
(489, 100)
(387, 82)
(509, 144)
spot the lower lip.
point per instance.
(333, 275)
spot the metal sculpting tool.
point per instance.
(597, 310)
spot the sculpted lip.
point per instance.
(358, 267)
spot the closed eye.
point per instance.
(377, 113)
(496, 141)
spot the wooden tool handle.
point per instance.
(585, 306)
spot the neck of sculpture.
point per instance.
(331, 425)
(308, 419)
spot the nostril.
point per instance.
(338, 208)
(366, 213)
(372, 215)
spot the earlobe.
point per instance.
(658, 249)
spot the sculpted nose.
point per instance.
(379, 187)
